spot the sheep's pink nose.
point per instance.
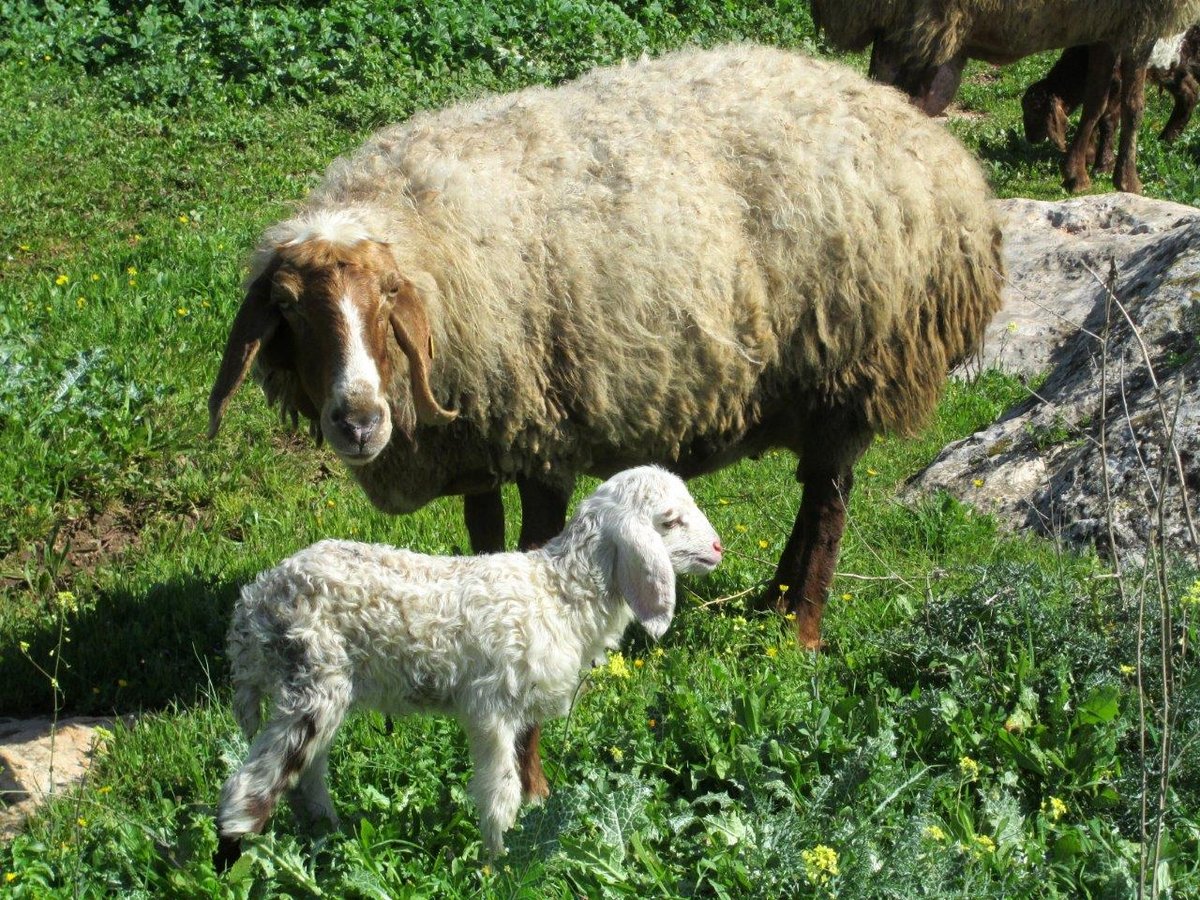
(717, 546)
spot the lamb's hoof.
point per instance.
(537, 794)
(229, 851)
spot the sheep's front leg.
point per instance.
(543, 510)
(496, 784)
(1186, 90)
(1095, 100)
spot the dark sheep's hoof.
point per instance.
(229, 851)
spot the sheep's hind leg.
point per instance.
(1133, 105)
(801, 583)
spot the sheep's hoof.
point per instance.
(1131, 185)
(1077, 184)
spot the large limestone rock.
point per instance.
(1040, 466)
(38, 759)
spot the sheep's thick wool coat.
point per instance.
(677, 261)
(934, 31)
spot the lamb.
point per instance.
(1047, 103)
(921, 46)
(498, 641)
(682, 261)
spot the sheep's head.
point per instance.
(319, 319)
(653, 529)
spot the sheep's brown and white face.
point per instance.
(335, 312)
(324, 312)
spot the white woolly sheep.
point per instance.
(921, 46)
(683, 261)
(499, 641)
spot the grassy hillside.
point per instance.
(974, 730)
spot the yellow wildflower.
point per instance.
(763, 545)
(986, 843)
(81, 302)
(616, 753)
(650, 723)
(723, 501)
(1011, 327)
(820, 863)
(658, 652)
(934, 833)
(783, 588)
(24, 645)
(847, 596)
(617, 667)
(872, 472)
(131, 271)
(1127, 670)
(331, 503)
(638, 663)
(62, 279)
(968, 767)
(121, 682)
(772, 652)
(95, 277)
(739, 528)
(10, 877)
(107, 789)
(1055, 808)
(978, 482)
(181, 311)
(183, 219)
(24, 248)
(81, 822)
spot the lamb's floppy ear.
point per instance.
(410, 325)
(254, 324)
(642, 568)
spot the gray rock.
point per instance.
(1040, 466)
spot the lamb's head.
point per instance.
(650, 529)
(320, 312)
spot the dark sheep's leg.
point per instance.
(484, 515)
(1185, 90)
(807, 564)
(885, 62)
(1095, 98)
(1106, 131)
(543, 511)
(1133, 105)
(834, 444)
(534, 786)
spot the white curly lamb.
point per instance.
(499, 641)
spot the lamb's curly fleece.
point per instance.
(498, 641)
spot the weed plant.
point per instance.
(972, 731)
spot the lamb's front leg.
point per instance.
(496, 783)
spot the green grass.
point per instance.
(971, 733)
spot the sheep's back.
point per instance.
(670, 252)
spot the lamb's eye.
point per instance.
(673, 522)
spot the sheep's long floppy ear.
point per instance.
(410, 325)
(643, 572)
(253, 326)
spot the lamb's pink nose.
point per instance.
(717, 546)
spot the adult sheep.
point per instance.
(921, 46)
(681, 261)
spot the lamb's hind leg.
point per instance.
(297, 737)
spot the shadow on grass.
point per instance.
(126, 651)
